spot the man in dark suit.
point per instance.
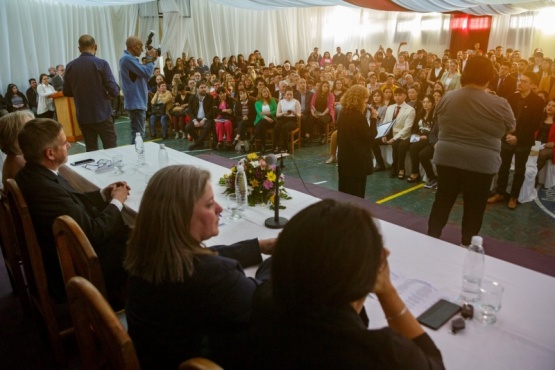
(528, 109)
(48, 195)
(200, 112)
(58, 80)
(505, 84)
(304, 96)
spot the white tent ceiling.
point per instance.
(475, 7)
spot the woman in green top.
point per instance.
(266, 107)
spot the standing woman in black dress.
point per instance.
(354, 136)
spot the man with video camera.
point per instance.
(134, 79)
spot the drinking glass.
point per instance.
(491, 293)
(234, 206)
(118, 164)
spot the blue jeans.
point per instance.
(163, 121)
(137, 119)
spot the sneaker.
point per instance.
(431, 184)
(331, 160)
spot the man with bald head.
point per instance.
(134, 79)
(90, 81)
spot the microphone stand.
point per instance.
(276, 222)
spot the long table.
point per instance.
(522, 338)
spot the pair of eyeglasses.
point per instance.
(99, 164)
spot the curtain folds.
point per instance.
(37, 34)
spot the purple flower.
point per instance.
(268, 184)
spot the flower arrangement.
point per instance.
(260, 180)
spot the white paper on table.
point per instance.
(418, 295)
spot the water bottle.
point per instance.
(163, 159)
(140, 149)
(241, 186)
(473, 270)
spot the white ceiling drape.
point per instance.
(38, 33)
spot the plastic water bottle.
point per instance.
(140, 149)
(163, 159)
(473, 270)
(241, 186)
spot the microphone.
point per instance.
(275, 222)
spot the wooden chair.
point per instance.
(35, 274)
(76, 254)
(295, 137)
(103, 341)
(78, 258)
(12, 258)
(199, 363)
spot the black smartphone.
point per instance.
(84, 161)
(438, 314)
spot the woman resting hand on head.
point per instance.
(186, 300)
(311, 314)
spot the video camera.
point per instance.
(149, 46)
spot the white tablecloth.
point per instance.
(522, 338)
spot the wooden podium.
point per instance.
(65, 110)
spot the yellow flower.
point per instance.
(271, 176)
(254, 183)
(252, 156)
(272, 198)
(233, 169)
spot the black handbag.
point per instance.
(159, 109)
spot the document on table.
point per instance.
(418, 295)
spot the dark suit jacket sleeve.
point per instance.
(109, 82)
(246, 252)
(57, 83)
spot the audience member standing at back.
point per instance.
(90, 81)
(528, 109)
(134, 77)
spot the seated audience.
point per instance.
(15, 99)
(288, 112)
(10, 126)
(452, 78)
(322, 110)
(201, 115)
(162, 102)
(311, 315)
(32, 95)
(245, 114)
(186, 300)
(178, 112)
(49, 195)
(421, 143)
(223, 118)
(266, 108)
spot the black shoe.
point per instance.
(242, 150)
(219, 147)
(379, 168)
(193, 146)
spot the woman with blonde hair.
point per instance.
(10, 125)
(186, 300)
(451, 79)
(354, 138)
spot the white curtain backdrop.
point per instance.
(36, 34)
(292, 33)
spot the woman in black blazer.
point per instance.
(354, 138)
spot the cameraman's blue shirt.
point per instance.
(134, 77)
